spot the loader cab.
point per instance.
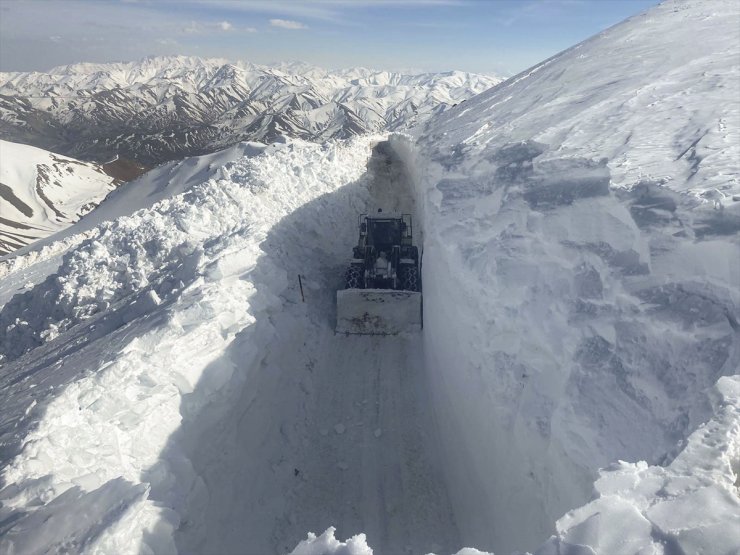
(383, 234)
(383, 231)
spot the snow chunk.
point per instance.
(692, 503)
(327, 544)
(76, 521)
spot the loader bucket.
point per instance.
(378, 311)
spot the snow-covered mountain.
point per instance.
(164, 108)
(589, 208)
(43, 192)
(167, 385)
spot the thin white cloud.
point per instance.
(192, 28)
(335, 11)
(536, 9)
(197, 28)
(287, 24)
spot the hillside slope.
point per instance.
(43, 193)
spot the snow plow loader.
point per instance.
(382, 294)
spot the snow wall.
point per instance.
(123, 369)
(581, 270)
(554, 343)
(507, 484)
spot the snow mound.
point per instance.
(327, 544)
(165, 181)
(690, 505)
(139, 259)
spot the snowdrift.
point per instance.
(99, 358)
(162, 182)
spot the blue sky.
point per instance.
(487, 36)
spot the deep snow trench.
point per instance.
(168, 387)
(328, 429)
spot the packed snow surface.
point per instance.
(574, 389)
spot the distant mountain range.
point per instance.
(165, 108)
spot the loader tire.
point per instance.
(410, 278)
(353, 277)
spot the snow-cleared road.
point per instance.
(332, 429)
